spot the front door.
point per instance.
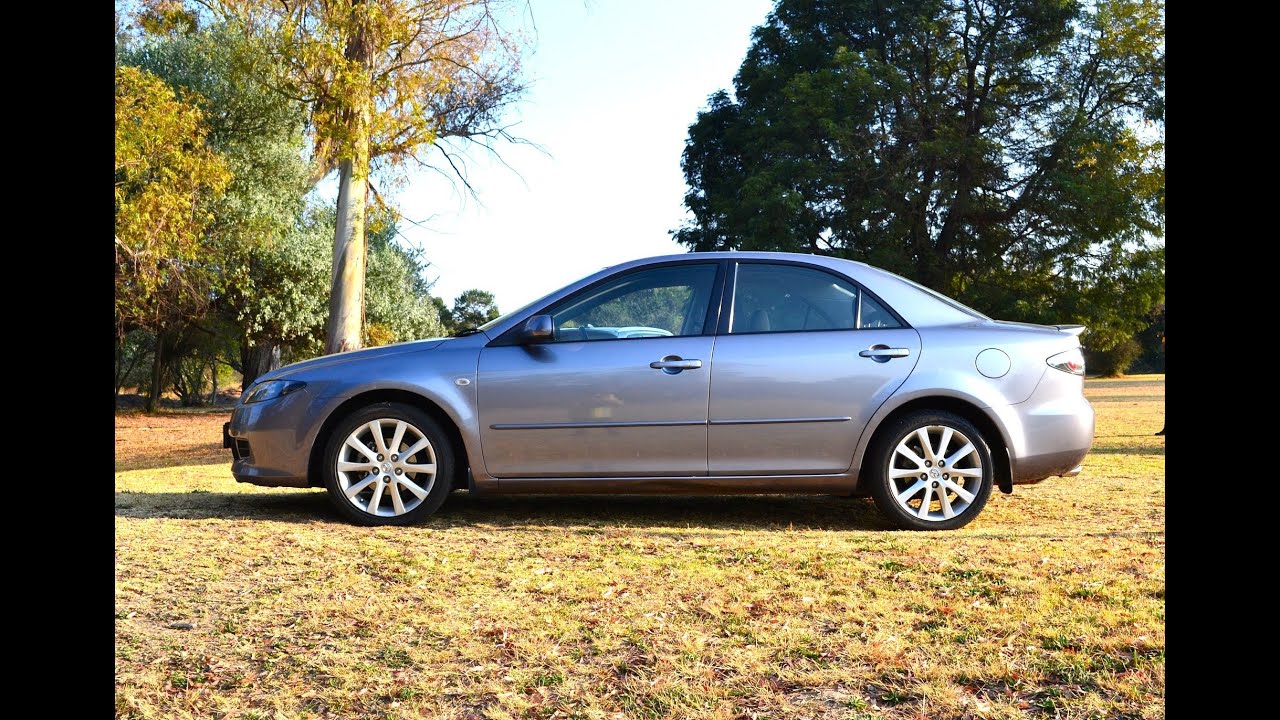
(808, 359)
(621, 392)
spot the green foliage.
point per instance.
(382, 83)
(258, 130)
(281, 299)
(472, 308)
(275, 278)
(1115, 361)
(271, 275)
(253, 250)
(397, 304)
(1152, 340)
(445, 315)
(1008, 153)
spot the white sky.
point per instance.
(615, 86)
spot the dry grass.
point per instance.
(1051, 604)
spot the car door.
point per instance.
(807, 358)
(622, 389)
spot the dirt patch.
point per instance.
(170, 440)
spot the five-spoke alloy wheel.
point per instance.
(930, 470)
(388, 464)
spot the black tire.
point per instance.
(438, 448)
(884, 489)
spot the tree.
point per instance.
(1007, 152)
(273, 281)
(280, 303)
(472, 309)
(399, 306)
(442, 312)
(165, 183)
(383, 80)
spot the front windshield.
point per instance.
(522, 308)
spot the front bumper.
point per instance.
(269, 442)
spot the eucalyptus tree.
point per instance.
(383, 81)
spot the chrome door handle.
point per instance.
(673, 364)
(884, 352)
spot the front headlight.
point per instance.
(272, 389)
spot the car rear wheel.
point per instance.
(388, 464)
(931, 470)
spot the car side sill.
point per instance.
(840, 484)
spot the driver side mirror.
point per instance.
(537, 329)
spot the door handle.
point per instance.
(883, 353)
(673, 364)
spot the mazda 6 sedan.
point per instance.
(726, 372)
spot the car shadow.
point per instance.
(462, 509)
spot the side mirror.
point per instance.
(537, 329)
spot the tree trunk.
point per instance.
(213, 379)
(157, 374)
(256, 361)
(346, 298)
(121, 374)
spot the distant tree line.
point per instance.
(223, 251)
(1009, 153)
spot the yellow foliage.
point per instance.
(376, 334)
(397, 74)
(165, 179)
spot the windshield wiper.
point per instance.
(465, 332)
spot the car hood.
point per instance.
(353, 356)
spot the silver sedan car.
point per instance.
(726, 372)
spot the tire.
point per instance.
(418, 483)
(899, 451)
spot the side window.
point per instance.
(661, 302)
(789, 298)
(873, 315)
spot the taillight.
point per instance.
(1070, 361)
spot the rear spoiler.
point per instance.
(1076, 330)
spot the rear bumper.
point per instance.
(1041, 467)
(1051, 431)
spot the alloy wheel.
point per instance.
(386, 467)
(935, 472)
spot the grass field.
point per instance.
(241, 602)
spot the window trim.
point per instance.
(731, 286)
(709, 326)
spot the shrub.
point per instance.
(1114, 362)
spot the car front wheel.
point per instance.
(931, 470)
(388, 464)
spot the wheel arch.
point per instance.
(447, 423)
(992, 431)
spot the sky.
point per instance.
(615, 85)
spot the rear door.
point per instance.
(807, 358)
